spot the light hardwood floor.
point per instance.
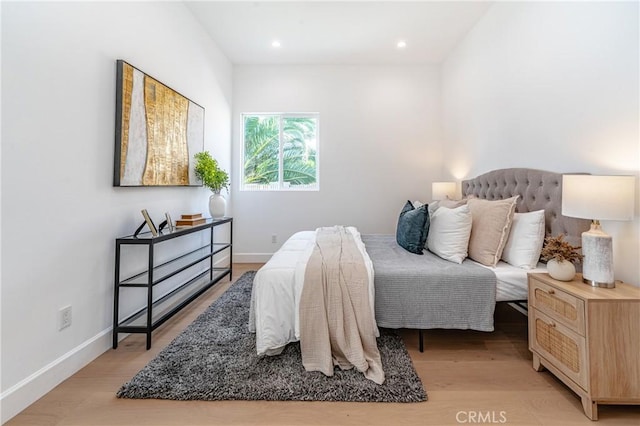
(470, 378)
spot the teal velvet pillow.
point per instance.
(413, 228)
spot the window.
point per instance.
(280, 152)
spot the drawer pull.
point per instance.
(552, 324)
(551, 291)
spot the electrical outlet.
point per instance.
(64, 318)
(274, 239)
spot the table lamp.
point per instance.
(598, 198)
(443, 190)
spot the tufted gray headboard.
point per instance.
(538, 190)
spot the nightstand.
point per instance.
(588, 337)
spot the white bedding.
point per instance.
(512, 281)
(277, 286)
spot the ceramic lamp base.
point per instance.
(597, 266)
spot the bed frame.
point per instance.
(537, 190)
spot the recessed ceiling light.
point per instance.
(275, 43)
(402, 44)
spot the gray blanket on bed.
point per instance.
(425, 291)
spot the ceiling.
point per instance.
(322, 32)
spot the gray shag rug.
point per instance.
(214, 358)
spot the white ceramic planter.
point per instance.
(217, 206)
(561, 271)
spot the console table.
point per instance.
(191, 271)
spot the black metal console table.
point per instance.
(198, 261)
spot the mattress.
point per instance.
(511, 282)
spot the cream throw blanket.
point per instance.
(336, 324)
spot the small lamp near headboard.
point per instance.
(443, 191)
(598, 198)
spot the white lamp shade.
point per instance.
(598, 197)
(443, 190)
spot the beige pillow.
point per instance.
(450, 204)
(490, 228)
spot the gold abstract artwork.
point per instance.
(159, 131)
(127, 87)
(167, 156)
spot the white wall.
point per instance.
(553, 86)
(60, 213)
(379, 145)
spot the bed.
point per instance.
(417, 292)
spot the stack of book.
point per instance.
(191, 220)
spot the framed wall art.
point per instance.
(157, 132)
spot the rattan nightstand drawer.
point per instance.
(560, 306)
(560, 345)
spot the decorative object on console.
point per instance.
(169, 222)
(214, 178)
(148, 222)
(443, 191)
(156, 129)
(598, 198)
(191, 220)
(192, 216)
(413, 228)
(560, 257)
(217, 206)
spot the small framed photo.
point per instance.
(150, 224)
(169, 222)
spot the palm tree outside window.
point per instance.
(280, 152)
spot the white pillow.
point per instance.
(449, 233)
(525, 240)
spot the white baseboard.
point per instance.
(223, 262)
(27, 391)
(251, 257)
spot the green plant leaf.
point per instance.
(208, 171)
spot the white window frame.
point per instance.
(280, 185)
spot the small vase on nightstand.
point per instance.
(561, 271)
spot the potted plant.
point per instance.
(214, 178)
(560, 257)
